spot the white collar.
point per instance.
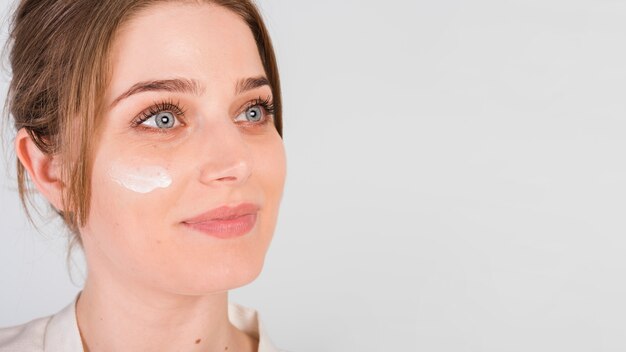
(62, 333)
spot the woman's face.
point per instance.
(188, 129)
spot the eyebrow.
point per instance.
(177, 85)
(188, 86)
(247, 84)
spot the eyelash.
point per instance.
(268, 106)
(165, 105)
(179, 111)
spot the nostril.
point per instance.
(227, 178)
(225, 173)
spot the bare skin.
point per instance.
(154, 284)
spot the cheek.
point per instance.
(270, 168)
(131, 189)
(127, 210)
(140, 179)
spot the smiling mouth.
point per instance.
(225, 222)
(226, 228)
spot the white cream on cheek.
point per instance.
(140, 179)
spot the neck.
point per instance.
(114, 316)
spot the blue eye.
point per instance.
(255, 113)
(162, 120)
(259, 111)
(251, 114)
(161, 116)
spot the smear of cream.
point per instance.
(140, 179)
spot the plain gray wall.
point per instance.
(456, 181)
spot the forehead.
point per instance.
(199, 41)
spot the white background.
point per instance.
(456, 181)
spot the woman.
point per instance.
(154, 129)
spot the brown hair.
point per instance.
(59, 58)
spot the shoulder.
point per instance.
(26, 337)
(54, 333)
(248, 320)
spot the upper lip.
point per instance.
(224, 212)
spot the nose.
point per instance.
(225, 156)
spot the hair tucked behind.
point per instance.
(59, 55)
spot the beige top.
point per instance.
(59, 332)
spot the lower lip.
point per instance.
(226, 228)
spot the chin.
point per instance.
(216, 278)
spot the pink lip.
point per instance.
(225, 222)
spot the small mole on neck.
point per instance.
(198, 341)
(226, 348)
